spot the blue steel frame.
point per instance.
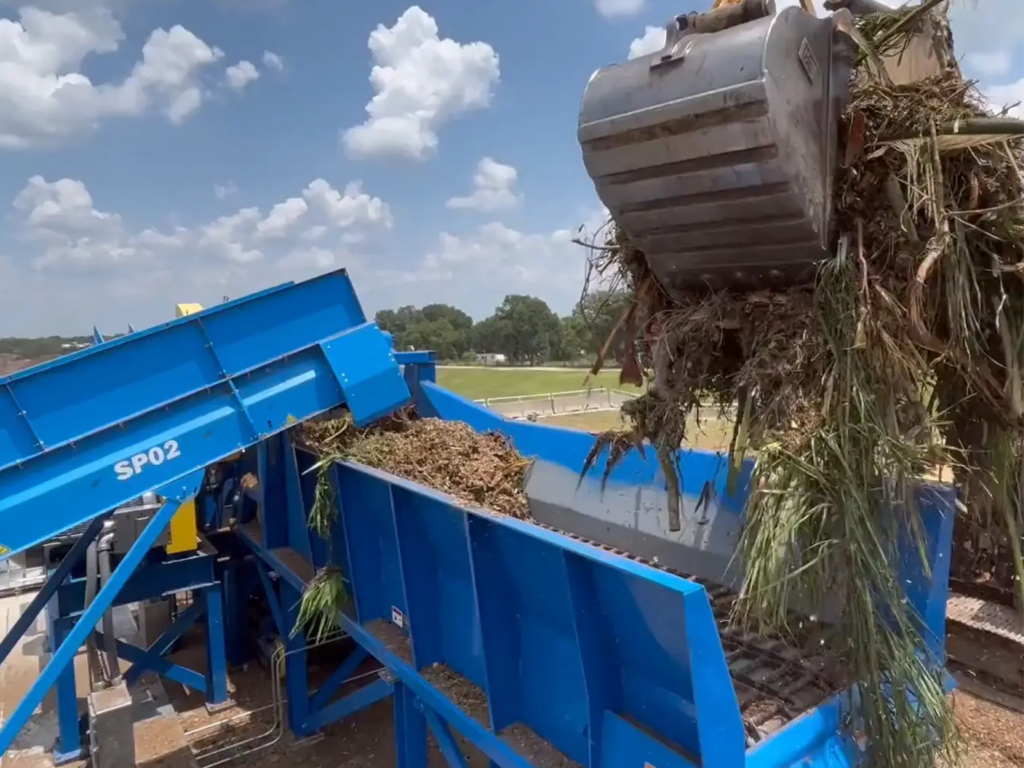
(176, 493)
(308, 714)
(78, 438)
(629, 651)
(156, 576)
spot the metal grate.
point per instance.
(774, 682)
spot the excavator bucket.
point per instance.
(716, 154)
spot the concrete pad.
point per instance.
(160, 739)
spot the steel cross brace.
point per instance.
(50, 588)
(212, 683)
(176, 493)
(417, 704)
(309, 714)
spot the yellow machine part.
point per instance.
(184, 530)
(183, 310)
(185, 524)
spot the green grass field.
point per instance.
(478, 383)
(712, 435)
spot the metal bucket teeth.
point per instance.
(716, 154)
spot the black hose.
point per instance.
(91, 574)
(109, 641)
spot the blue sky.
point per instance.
(162, 151)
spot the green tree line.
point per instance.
(522, 328)
(35, 349)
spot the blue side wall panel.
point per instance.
(88, 432)
(554, 633)
(569, 448)
(927, 583)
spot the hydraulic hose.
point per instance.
(110, 641)
(91, 575)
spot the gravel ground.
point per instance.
(993, 736)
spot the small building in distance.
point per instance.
(490, 358)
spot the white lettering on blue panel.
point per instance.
(153, 457)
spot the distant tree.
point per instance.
(439, 327)
(458, 319)
(598, 313)
(529, 330)
(41, 348)
(458, 340)
(574, 340)
(398, 321)
(437, 335)
(488, 336)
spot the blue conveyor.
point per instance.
(85, 433)
(539, 648)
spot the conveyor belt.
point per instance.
(774, 682)
(85, 433)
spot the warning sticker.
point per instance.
(4, 550)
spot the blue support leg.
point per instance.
(69, 736)
(295, 663)
(216, 654)
(445, 741)
(234, 602)
(410, 730)
(176, 493)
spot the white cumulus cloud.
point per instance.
(612, 8)
(95, 266)
(62, 220)
(272, 61)
(44, 96)
(224, 191)
(61, 205)
(494, 188)
(1007, 95)
(476, 269)
(353, 205)
(421, 81)
(653, 39)
(241, 74)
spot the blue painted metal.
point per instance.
(49, 589)
(78, 436)
(157, 575)
(613, 663)
(176, 492)
(69, 737)
(610, 661)
(308, 714)
(606, 633)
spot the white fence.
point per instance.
(557, 403)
